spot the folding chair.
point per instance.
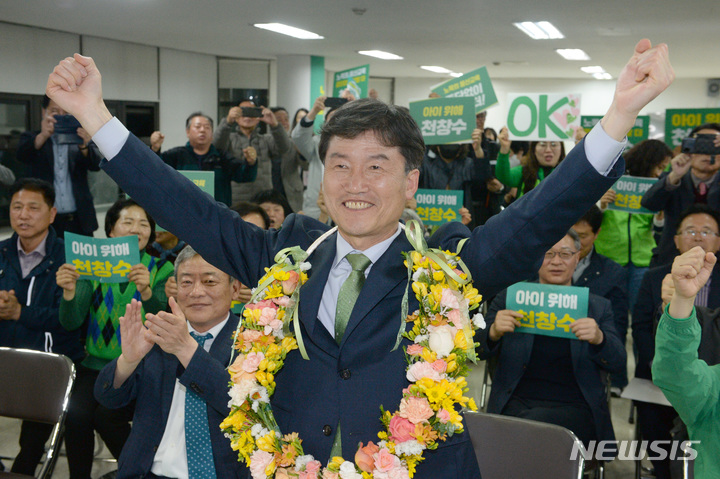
(36, 387)
(509, 447)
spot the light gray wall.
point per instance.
(293, 83)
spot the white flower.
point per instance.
(418, 273)
(479, 321)
(409, 448)
(259, 431)
(420, 338)
(441, 340)
(348, 471)
(305, 266)
(239, 392)
(301, 462)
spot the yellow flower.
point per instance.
(438, 275)
(288, 343)
(472, 405)
(281, 275)
(460, 341)
(420, 289)
(267, 442)
(303, 277)
(274, 291)
(270, 469)
(429, 355)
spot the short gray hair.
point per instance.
(572, 234)
(186, 254)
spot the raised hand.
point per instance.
(135, 344)
(170, 332)
(506, 321)
(690, 272)
(66, 277)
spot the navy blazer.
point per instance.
(152, 386)
(674, 202)
(589, 361)
(648, 310)
(349, 382)
(42, 166)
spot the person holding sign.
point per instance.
(692, 179)
(372, 152)
(552, 379)
(97, 307)
(691, 386)
(541, 160)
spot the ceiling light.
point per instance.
(288, 30)
(593, 69)
(603, 76)
(456, 75)
(539, 30)
(381, 54)
(435, 69)
(572, 54)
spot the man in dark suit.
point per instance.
(162, 366)
(699, 226)
(692, 179)
(604, 277)
(65, 166)
(372, 152)
(550, 379)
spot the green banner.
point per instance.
(547, 309)
(639, 132)
(629, 191)
(107, 260)
(543, 116)
(205, 180)
(437, 207)
(680, 122)
(317, 87)
(474, 84)
(444, 120)
(354, 80)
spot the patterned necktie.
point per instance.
(348, 295)
(197, 431)
(349, 292)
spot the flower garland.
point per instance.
(442, 343)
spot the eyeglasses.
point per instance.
(544, 144)
(565, 254)
(693, 233)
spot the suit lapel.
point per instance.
(170, 365)
(384, 277)
(222, 345)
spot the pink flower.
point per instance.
(282, 301)
(313, 467)
(443, 416)
(400, 430)
(384, 461)
(415, 409)
(258, 462)
(252, 361)
(457, 318)
(397, 473)
(422, 369)
(414, 350)
(290, 284)
(265, 303)
(328, 474)
(251, 335)
(449, 299)
(364, 456)
(266, 316)
(439, 365)
(282, 473)
(237, 370)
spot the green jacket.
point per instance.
(626, 238)
(691, 386)
(513, 177)
(98, 306)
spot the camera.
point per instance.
(335, 101)
(702, 145)
(66, 130)
(252, 111)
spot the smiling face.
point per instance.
(204, 293)
(548, 153)
(699, 229)
(559, 263)
(30, 216)
(365, 188)
(132, 221)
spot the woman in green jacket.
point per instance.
(540, 161)
(96, 308)
(627, 238)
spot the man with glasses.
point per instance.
(551, 379)
(698, 226)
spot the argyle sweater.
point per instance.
(98, 307)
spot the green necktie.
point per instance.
(348, 295)
(349, 292)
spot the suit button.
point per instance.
(106, 384)
(327, 430)
(345, 374)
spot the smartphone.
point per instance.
(335, 101)
(252, 111)
(702, 145)
(66, 130)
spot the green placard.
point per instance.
(205, 180)
(639, 132)
(474, 84)
(437, 207)
(629, 191)
(547, 309)
(354, 80)
(543, 116)
(107, 260)
(317, 87)
(445, 120)
(680, 122)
